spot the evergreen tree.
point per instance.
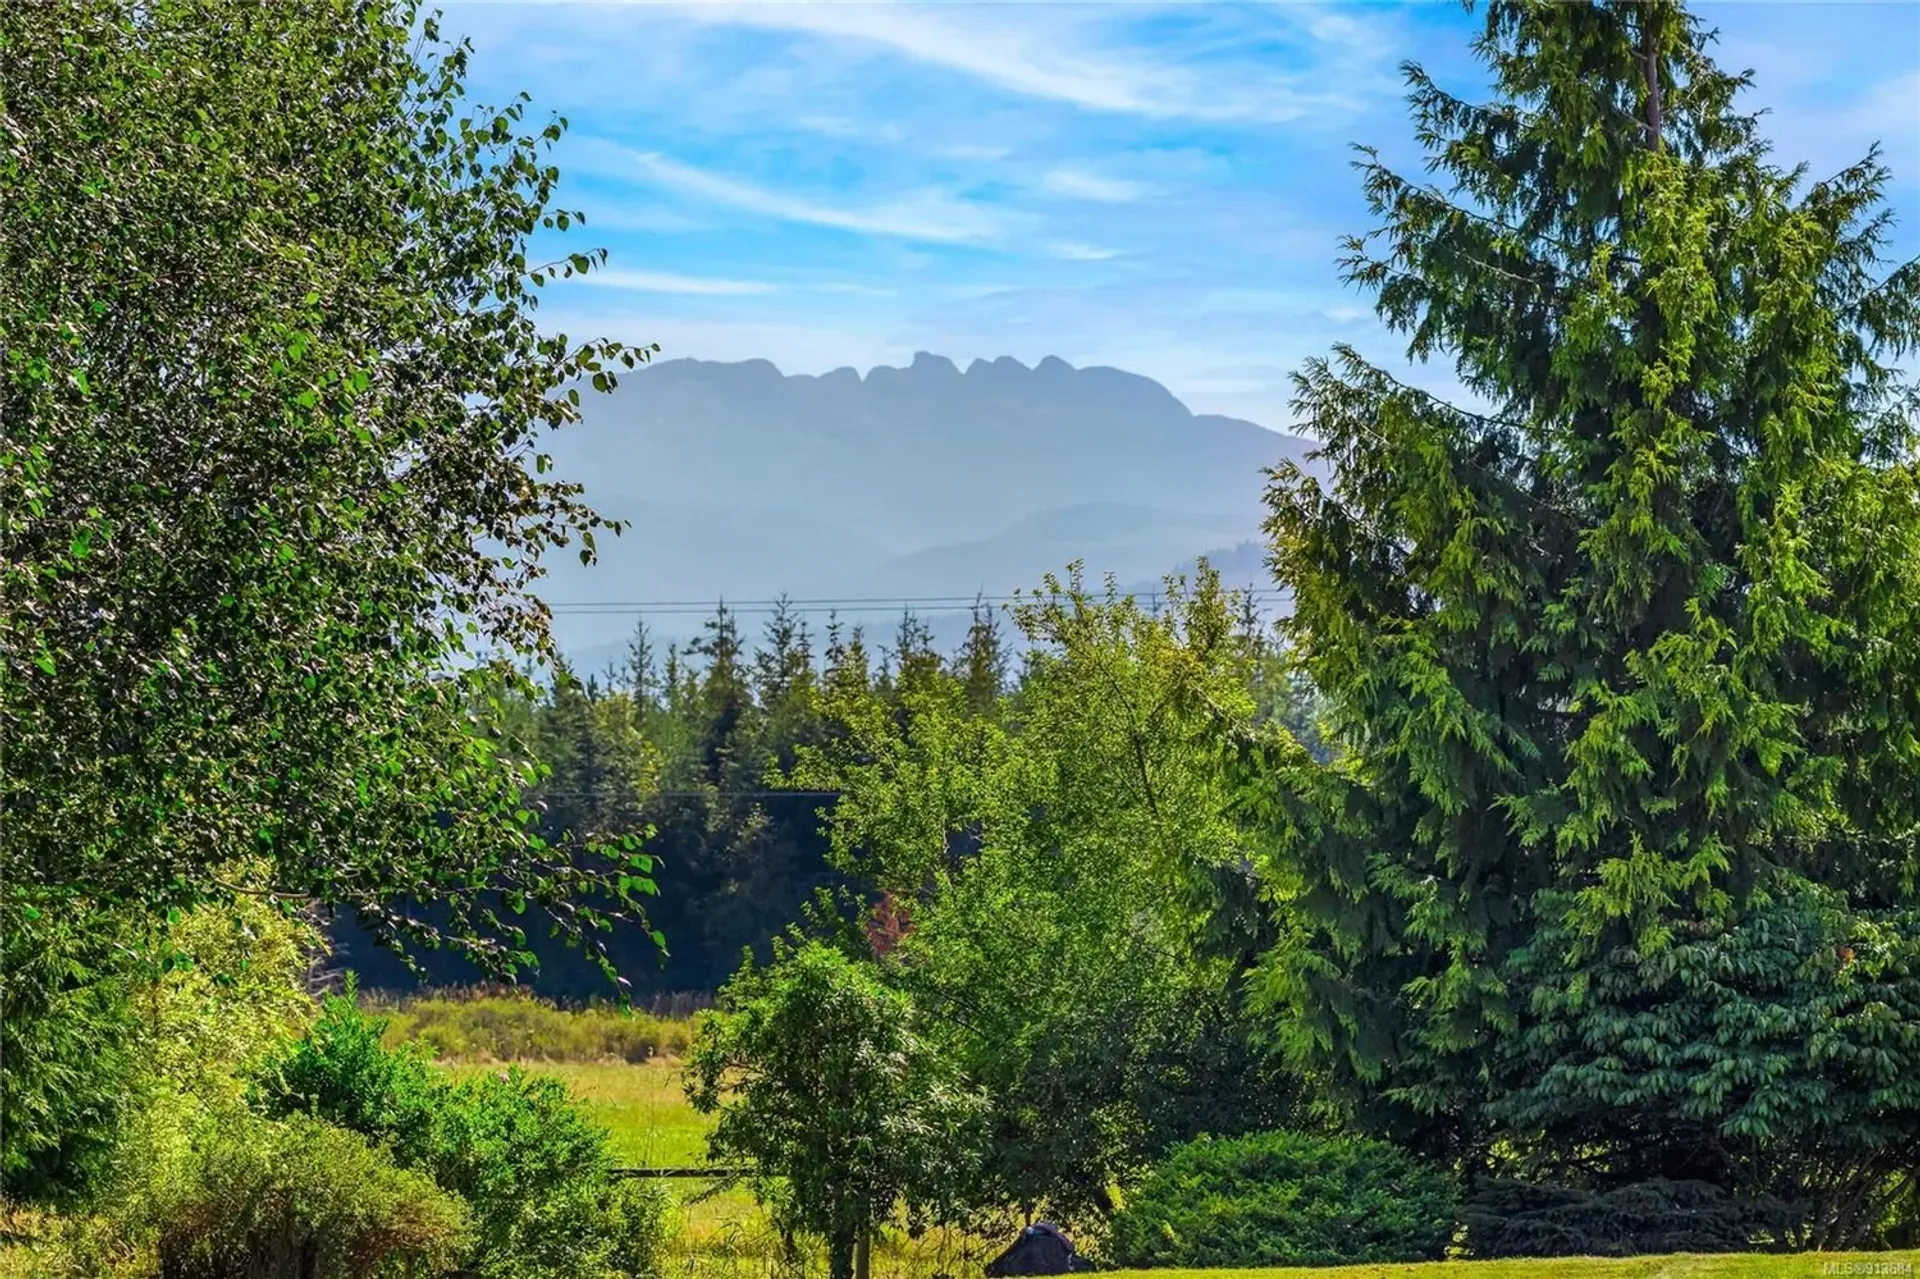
(570, 749)
(915, 661)
(982, 661)
(1622, 660)
(785, 682)
(849, 670)
(726, 700)
(643, 676)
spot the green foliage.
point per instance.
(1287, 1198)
(274, 394)
(512, 1024)
(103, 1010)
(1620, 660)
(1514, 1219)
(69, 1062)
(516, 1148)
(1782, 1056)
(231, 992)
(1074, 883)
(675, 750)
(635, 1218)
(342, 1072)
(825, 1082)
(249, 1196)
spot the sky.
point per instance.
(1157, 187)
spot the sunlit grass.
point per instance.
(641, 1105)
(1901, 1265)
(726, 1234)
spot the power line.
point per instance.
(845, 604)
(537, 793)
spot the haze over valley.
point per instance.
(927, 482)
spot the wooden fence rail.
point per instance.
(708, 1173)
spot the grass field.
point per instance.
(1808, 1266)
(641, 1105)
(727, 1234)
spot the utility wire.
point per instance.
(535, 792)
(847, 604)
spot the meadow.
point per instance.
(718, 1230)
(722, 1232)
(726, 1233)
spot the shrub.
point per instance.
(67, 1072)
(251, 1196)
(343, 1072)
(516, 1147)
(104, 1011)
(636, 1216)
(1286, 1198)
(1515, 1219)
(232, 994)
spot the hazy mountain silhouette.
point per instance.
(744, 483)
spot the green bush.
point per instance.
(495, 1024)
(1516, 1219)
(104, 1010)
(68, 1073)
(1286, 1199)
(251, 1196)
(516, 1147)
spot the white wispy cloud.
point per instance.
(1050, 54)
(1075, 251)
(835, 126)
(929, 215)
(1078, 184)
(668, 282)
(972, 151)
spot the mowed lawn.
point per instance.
(652, 1125)
(1805, 1266)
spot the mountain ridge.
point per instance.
(741, 481)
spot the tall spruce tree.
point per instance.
(643, 673)
(1617, 854)
(982, 661)
(784, 679)
(849, 670)
(727, 701)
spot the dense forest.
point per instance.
(693, 750)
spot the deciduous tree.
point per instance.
(273, 398)
(823, 1079)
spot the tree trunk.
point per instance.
(863, 1255)
(840, 1249)
(1650, 58)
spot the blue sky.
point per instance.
(1158, 187)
